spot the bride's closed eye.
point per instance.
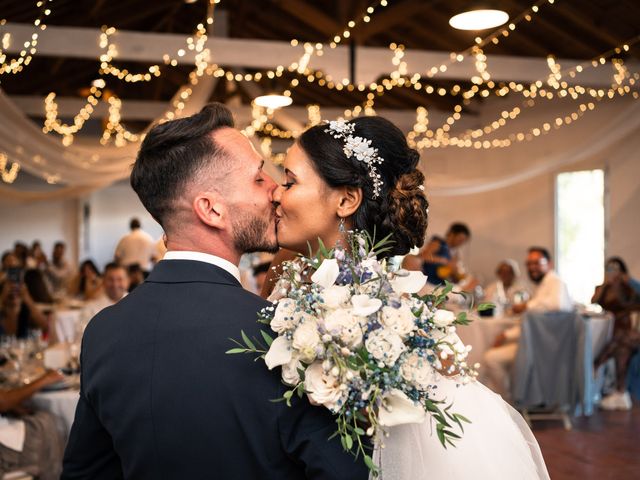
(287, 185)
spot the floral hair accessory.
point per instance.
(360, 148)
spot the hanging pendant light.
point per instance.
(479, 19)
(273, 101)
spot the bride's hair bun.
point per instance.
(408, 211)
(400, 208)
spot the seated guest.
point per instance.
(506, 290)
(87, 285)
(550, 294)
(38, 256)
(617, 296)
(136, 276)
(59, 271)
(115, 284)
(37, 286)
(29, 441)
(9, 260)
(18, 311)
(440, 259)
(21, 252)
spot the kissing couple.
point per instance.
(159, 397)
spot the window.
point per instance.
(580, 231)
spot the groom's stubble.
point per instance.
(250, 233)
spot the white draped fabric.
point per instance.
(82, 167)
(608, 136)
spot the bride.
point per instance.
(336, 180)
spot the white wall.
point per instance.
(48, 222)
(109, 213)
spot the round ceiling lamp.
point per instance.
(273, 101)
(479, 19)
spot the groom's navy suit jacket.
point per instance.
(160, 399)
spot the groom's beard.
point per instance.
(251, 234)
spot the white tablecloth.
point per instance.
(61, 404)
(65, 324)
(481, 333)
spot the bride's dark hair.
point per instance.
(401, 207)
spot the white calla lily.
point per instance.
(364, 305)
(405, 281)
(398, 409)
(279, 353)
(327, 274)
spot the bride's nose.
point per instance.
(277, 195)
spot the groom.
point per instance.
(159, 397)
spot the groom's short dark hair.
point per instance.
(171, 155)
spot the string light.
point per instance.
(8, 175)
(114, 127)
(16, 65)
(53, 123)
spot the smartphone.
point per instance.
(15, 275)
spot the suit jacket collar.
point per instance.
(186, 271)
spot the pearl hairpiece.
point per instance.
(360, 148)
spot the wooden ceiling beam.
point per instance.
(569, 12)
(311, 16)
(389, 17)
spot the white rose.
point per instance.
(306, 340)
(443, 318)
(290, 374)
(385, 346)
(283, 316)
(327, 273)
(324, 388)
(335, 296)
(417, 371)
(399, 320)
(343, 324)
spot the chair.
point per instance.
(549, 370)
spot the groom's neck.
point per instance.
(212, 246)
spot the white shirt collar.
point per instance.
(204, 257)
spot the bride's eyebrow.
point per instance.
(289, 172)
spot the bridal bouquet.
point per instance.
(354, 336)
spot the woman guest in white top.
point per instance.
(507, 290)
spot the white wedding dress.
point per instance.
(497, 445)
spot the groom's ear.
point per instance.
(209, 209)
(350, 200)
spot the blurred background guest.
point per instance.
(9, 260)
(21, 252)
(507, 289)
(136, 247)
(617, 296)
(59, 272)
(550, 294)
(36, 253)
(37, 286)
(18, 311)
(440, 259)
(87, 284)
(29, 441)
(136, 276)
(115, 286)
(260, 274)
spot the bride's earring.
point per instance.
(341, 228)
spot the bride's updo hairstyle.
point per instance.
(400, 208)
